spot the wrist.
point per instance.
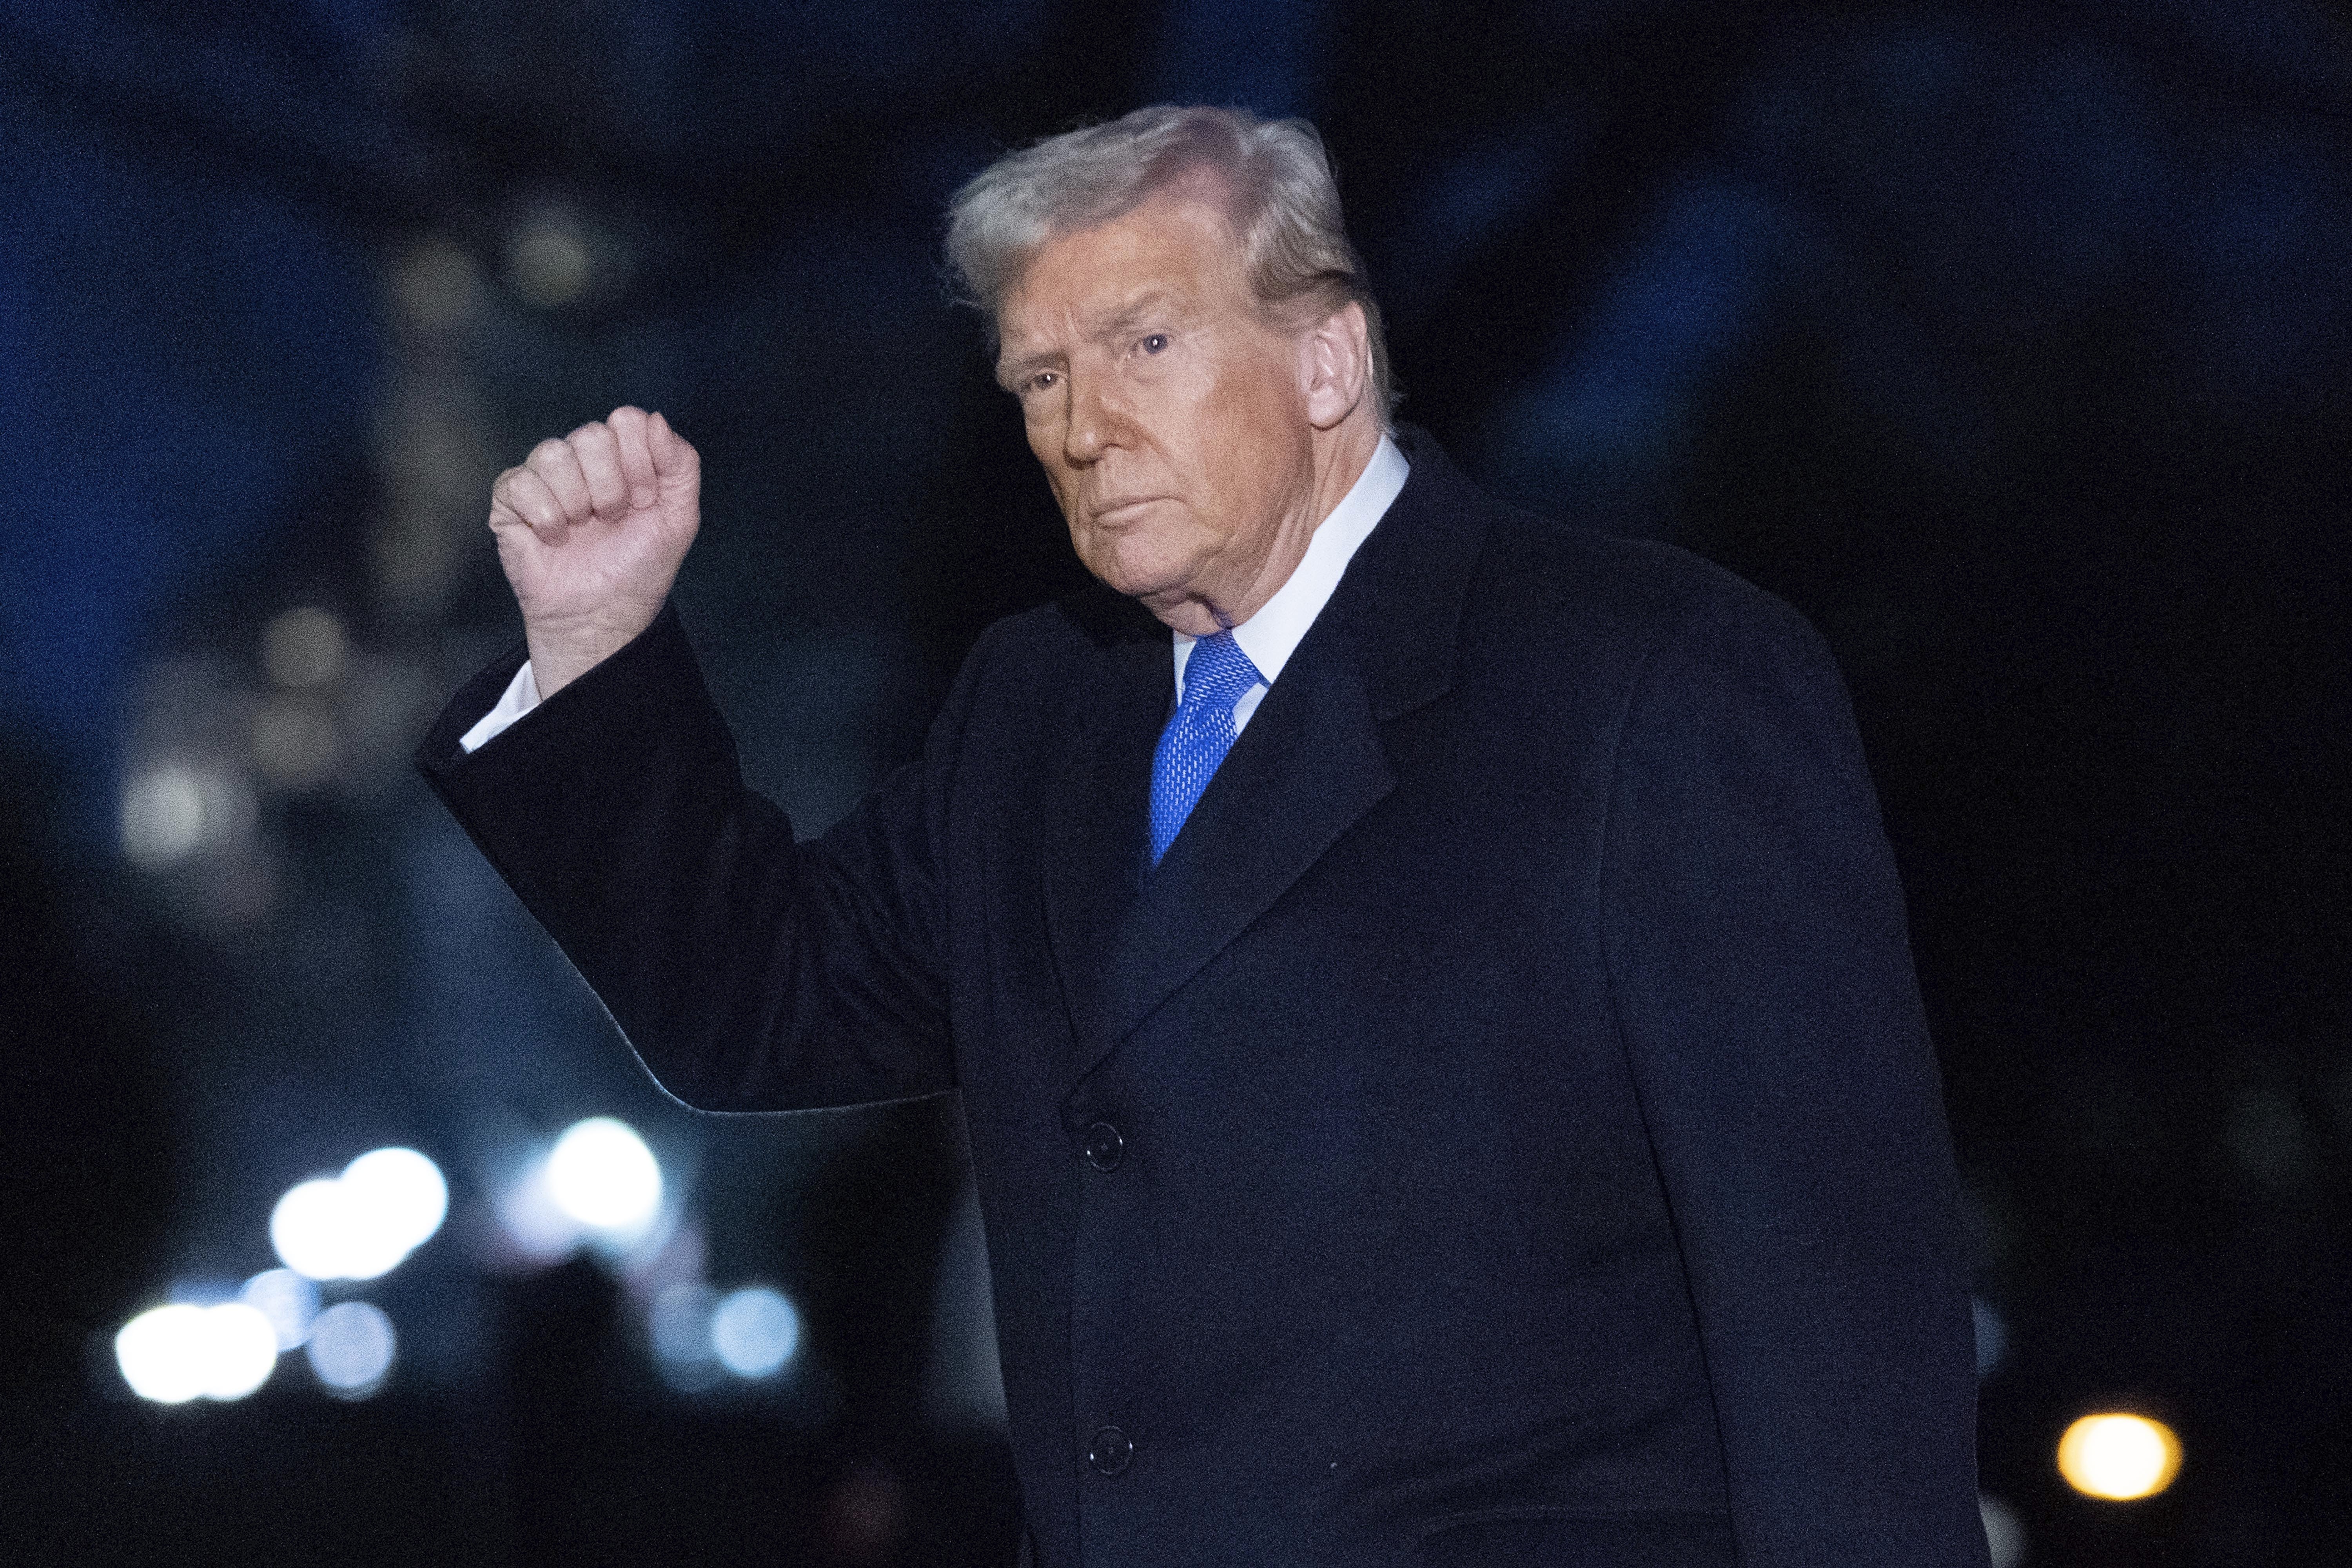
(562, 651)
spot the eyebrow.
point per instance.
(1132, 315)
(1129, 316)
(1011, 374)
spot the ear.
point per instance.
(1336, 365)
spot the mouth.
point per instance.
(1126, 510)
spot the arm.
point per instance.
(1764, 992)
(748, 972)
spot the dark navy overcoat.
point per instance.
(1502, 1131)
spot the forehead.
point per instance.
(1177, 246)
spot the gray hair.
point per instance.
(1279, 193)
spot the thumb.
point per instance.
(676, 463)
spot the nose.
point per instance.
(1097, 420)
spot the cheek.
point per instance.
(1040, 437)
(1225, 421)
(1259, 438)
(1045, 445)
(1257, 395)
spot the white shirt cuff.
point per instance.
(522, 695)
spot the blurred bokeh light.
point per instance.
(183, 1352)
(551, 256)
(176, 809)
(754, 1332)
(305, 647)
(362, 1224)
(290, 1300)
(2118, 1456)
(602, 1175)
(350, 1348)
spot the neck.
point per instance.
(1340, 457)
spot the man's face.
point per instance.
(1170, 416)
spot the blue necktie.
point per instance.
(1199, 733)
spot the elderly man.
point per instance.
(1426, 986)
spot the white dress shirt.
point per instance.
(1271, 636)
(1268, 637)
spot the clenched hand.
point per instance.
(591, 531)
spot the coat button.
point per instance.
(1110, 1451)
(1104, 1147)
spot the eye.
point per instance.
(1041, 382)
(1153, 344)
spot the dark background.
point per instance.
(2009, 342)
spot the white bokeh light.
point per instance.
(397, 1198)
(754, 1332)
(306, 1229)
(601, 1174)
(177, 1353)
(243, 1346)
(174, 810)
(162, 816)
(350, 1348)
(287, 1299)
(162, 1355)
(362, 1224)
(534, 1224)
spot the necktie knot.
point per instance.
(1199, 733)
(1218, 672)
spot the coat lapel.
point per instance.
(1309, 765)
(1099, 807)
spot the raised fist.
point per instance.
(591, 531)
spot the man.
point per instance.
(1426, 986)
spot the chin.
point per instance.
(1134, 569)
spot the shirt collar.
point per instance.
(1272, 635)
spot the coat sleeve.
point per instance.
(1763, 990)
(748, 973)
